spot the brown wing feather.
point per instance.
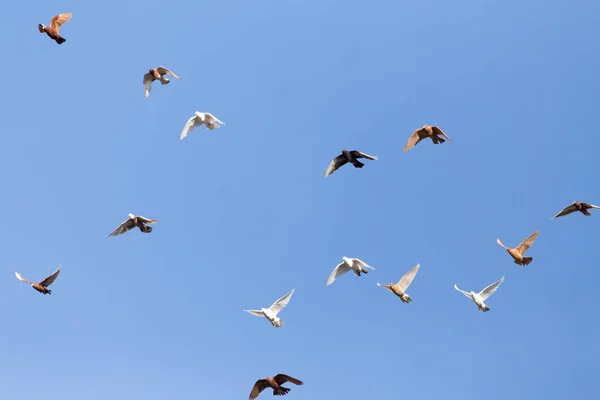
(415, 138)
(282, 378)
(438, 131)
(566, 211)
(526, 244)
(48, 281)
(59, 20)
(162, 70)
(259, 386)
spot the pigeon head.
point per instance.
(41, 28)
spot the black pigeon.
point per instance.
(345, 157)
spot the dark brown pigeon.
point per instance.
(54, 28)
(41, 287)
(274, 383)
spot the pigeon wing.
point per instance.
(407, 279)
(19, 277)
(258, 313)
(488, 291)
(259, 386)
(362, 263)
(147, 220)
(415, 138)
(526, 244)
(215, 118)
(282, 378)
(358, 154)
(588, 205)
(190, 125)
(162, 70)
(148, 79)
(124, 227)
(49, 280)
(566, 211)
(59, 20)
(438, 131)
(462, 291)
(335, 164)
(338, 271)
(281, 302)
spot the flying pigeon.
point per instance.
(54, 28)
(198, 119)
(41, 286)
(354, 264)
(271, 312)
(517, 254)
(132, 222)
(577, 206)
(479, 298)
(399, 288)
(274, 383)
(154, 74)
(427, 131)
(345, 157)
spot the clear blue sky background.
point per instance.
(244, 215)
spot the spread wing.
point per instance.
(258, 313)
(147, 220)
(588, 205)
(335, 164)
(48, 281)
(282, 378)
(338, 271)
(488, 291)
(407, 279)
(19, 277)
(462, 291)
(59, 20)
(124, 227)
(148, 79)
(190, 125)
(362, 263)
(438, 132)
(385, 287)
(358, 154)
(259, 386)
(212, 117)
(415, 138)
(281, 302)
(526, 244)
(566, 211)
(162, 70)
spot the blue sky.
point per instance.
(244, 215)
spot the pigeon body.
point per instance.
(157, 74)
(274, 383)
(198, 119)
(427, 131)
(348, 264)
(399, 289)
(55, 23)
(577, 206)
(132, 222)
(518, 252)
(347, 157)
(271, 312)
(42, 286)
(479, 298)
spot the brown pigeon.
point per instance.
(427, 131)
(132, 222)
(347, 156)
(154, 74)
(274, 383)
(517, 253)
(399, 289)
(41, 287)
(577, 206)
(54, 28)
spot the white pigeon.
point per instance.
(399, 289)
(348, 264)
(479, 298)
(271, 312)
(198, 119)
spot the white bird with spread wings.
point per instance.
(271, 312)
(479, 298)
(349, 264)
(198, 119)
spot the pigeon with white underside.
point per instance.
(271, 312)
(349, 264)
(479, 298)
(198, 119)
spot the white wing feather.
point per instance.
(361, 263)
(338, 271)
(281, 302)
(190, 125)
(255, 312)
(463, 292)
(488, 291)
(407, 279)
